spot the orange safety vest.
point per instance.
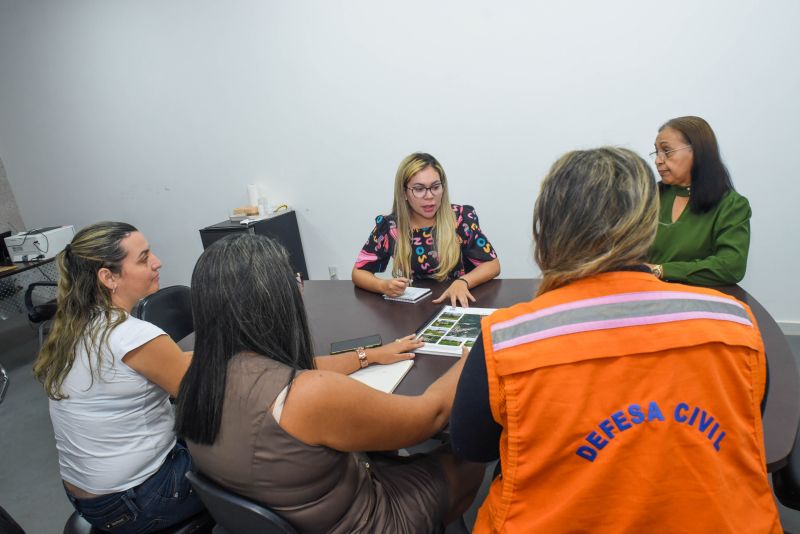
(628, 405)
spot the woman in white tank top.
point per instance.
(109, 377)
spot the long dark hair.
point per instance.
(710, 178)
(82, 298)
(244, 299)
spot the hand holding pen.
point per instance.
(396, 286)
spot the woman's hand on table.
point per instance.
(458, 293)
(396, 286)
(398, 350)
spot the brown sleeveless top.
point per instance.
(317, 489)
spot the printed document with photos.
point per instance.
(451, 329)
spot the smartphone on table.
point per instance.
(368, 342)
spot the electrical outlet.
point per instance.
(332, 272)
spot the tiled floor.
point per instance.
(30, 488)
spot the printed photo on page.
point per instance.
(451, 329)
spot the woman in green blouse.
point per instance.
(704, 224)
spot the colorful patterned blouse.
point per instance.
(379, 248)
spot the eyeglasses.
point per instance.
(666, 153)
(419, 191)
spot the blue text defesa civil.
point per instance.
(619, 421)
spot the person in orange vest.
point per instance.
(615, 401)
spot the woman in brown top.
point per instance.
(264, 420)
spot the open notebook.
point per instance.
(383, 377)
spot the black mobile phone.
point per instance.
(337, 347)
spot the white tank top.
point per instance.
(115, 429)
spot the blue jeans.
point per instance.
(162, 500)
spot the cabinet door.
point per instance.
(283, 228)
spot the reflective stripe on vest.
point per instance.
(615, 311)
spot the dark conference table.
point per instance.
(337, 310)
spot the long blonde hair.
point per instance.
(445, 239)
(82, 300)
(597, 211)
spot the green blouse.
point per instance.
(706, 249)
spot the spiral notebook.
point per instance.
(411, 294)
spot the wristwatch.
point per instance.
(362, 357)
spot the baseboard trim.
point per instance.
(790, 328)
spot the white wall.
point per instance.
(159, 112)
(10, 219)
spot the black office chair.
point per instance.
(170, 309)
(235, 514)
(201, 523)
(786, 480)
(8, 525)
(40, 313)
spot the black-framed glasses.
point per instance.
(419, 190)
(666, 153)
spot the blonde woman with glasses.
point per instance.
(427, 237)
